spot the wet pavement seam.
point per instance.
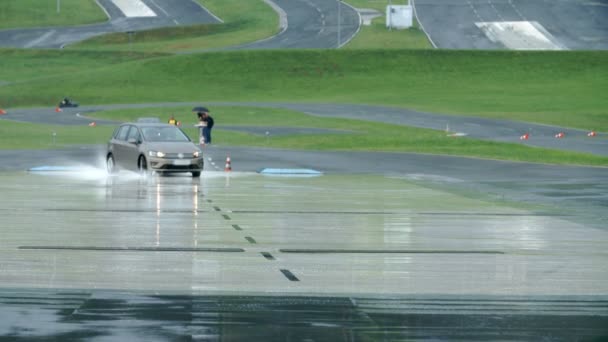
(237, 227)
(226, 217)
(268, 256)
(250, 239)
(135, 249)
(388, 251)
(400, 213)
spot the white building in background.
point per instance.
(399, 16)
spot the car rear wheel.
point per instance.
(110, 165)
(142, 166)
(196, 174)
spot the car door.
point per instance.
(131, 150)
(119, 146)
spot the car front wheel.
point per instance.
(196, 174)
(110, 165)
(142, 165)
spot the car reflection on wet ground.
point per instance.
(331, 257)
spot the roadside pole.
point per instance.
(339, 19)
(58, 6)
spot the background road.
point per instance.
(312, 24)
(481, 128)
(305, 24)
(169, 13)
(576, 24)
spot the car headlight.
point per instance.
(156, 154)
(196, 154)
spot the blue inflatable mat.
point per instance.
(269, 171)
(55, 169)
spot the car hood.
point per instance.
(171, 147)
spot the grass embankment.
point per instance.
(34, 65)
(378, 36)
(559, 88)
(19, 136)
(244, 21)
(355, 135)
(41, 13)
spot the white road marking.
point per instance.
(160, 8)
(516, 10)
(474, 10)
(39, 39)
(320, 14)
(520, 35)
(208, 11)
(428, 36)
(496, 10)
(134, 8)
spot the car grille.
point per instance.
(176, 156)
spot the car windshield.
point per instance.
(159, 133)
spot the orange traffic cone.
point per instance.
(2, 111)
(525, 137)
(92, 124)
(591, 134)
(57, 110)
(559, 135)
(228, 165)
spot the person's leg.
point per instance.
(206, 135)
(202, 136)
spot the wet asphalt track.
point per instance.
(234, 254)
(365, 295)
(576, 24)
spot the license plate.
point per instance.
(181, 162)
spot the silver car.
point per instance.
(158, 147)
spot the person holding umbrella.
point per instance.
(205, 122)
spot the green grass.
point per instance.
(33, 65)
(560, 88)
(41, 13)
(244, 21)
(377, 36)
(17, 135)
(365, 136)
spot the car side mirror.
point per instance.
(133, 141)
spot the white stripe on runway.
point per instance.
(520, 35)
(134, 8)
(39, 39)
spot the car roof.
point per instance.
(148, 124)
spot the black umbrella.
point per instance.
(200, 110)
